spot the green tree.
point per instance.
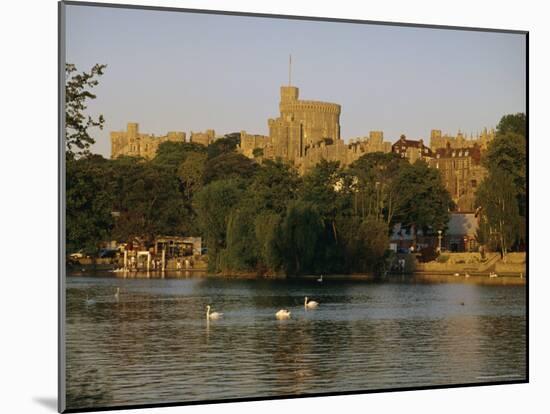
(301, 231)
(274, 186)
(172, 154)
(421, 198)
(88, 204)
(508, 153)
(224, 145)
(229, 165)
(191, 173)
(214, 204)
(77, 93)
(374, 193)
(497, 197)
(148, 200)
(364, 241)
(512, 124)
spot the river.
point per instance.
(153, 343)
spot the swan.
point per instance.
(89, 301)
(213, 315)
(311, 304)
(117, 293)
(493, 274)
(466, 275)
(456, 274)
(282, 314)
(320, 279)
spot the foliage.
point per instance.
(374, 193)
(191, 173)
(497, 196)
(88, 203)
(171, 154)
(147, 199)
(301, 231)
(224, 145)
(421, 198)
(214, 204)
(512, 124)
(274, 186)
(77, 92)
(229, 165)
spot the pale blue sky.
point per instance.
(173, 71)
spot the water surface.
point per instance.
(153, 344)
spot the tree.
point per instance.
(364, 242)
(191, 173)
(374, 192)
(497, 197)
(301, 231)
(508, 153)
(148, 200)
(224, 145)
(421, 198)
(77, 92)
(214, 204)
(274, 186)
(229, 165)
(512, 124)
(172, 154)
(88, 203)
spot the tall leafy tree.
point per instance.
(229, 165)
(512, 124)
(499, 209)
(214, 204)
(421, 198)
(301, 231)
(78, 88)
(89, 198)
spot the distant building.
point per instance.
(205, 138)
(412, 150)
(439, 141)
(462, 172)
(307, 132)
(461, 233)
(132, 143)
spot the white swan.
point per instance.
(311, 304)
(89, 301)
(213, 315)
(320, 278)
(456, 274)
(493, 274)
(283, 314)
(117, 293)
(466, 275)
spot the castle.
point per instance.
(132, 143)
(306, 132)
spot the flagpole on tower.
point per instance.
(289, 69)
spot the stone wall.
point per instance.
(132, 143)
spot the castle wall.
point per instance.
(203, 138)
(134, 144)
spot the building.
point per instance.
(205, 138)
(134, 144)
(461, 233)
(305, 133)
(412, 150)
(462, 172)
(439, 141)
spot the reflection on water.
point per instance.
(153, 343)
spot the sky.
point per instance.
(174, 71)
